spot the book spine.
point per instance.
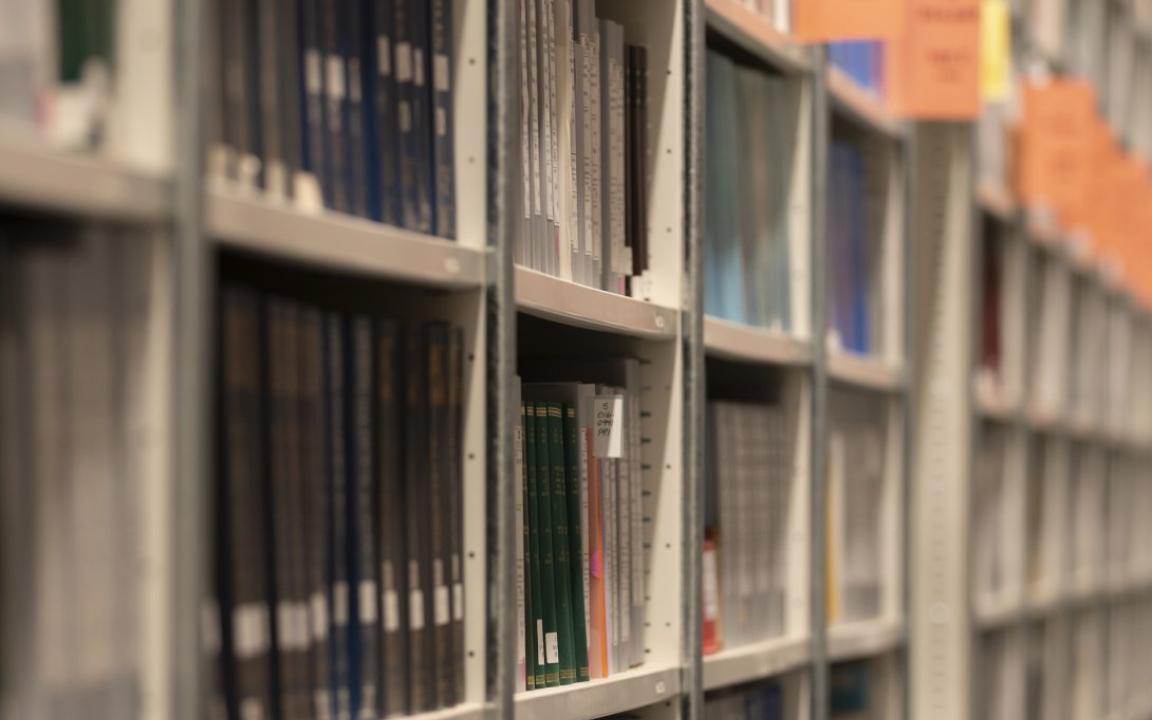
(456, 505)
(420, 19)
(316, 518)
(362, 502)
(637, 441)
(287, 57)
(268, 97)
(250, 169)
(356, 119)
(536, 599)
(386, 113)
(439, 518)
(597, 581)
(314, 136)
(249, 612)
(573, 455)
(338, 520)
(524, 668)
(547, 551)
(421, 653)
(335, 180)
(710, 600)
(442, 107)
(393, 598)
(560, 543)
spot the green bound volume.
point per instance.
(531, 576)
(575, 535)
(560, 544)
(547, 558)
(531, 445)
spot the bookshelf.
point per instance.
(946, 460)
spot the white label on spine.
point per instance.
(312, 72)
(319, 616)
(251, 709)
(391, 611)
(285, 624)
(458, 601)
(539, 641)
(340, 603)
(323, 705)
(711, 595)
(403, 62)
(440, 74)
(335, 77)
(552, 647)
(250, 630)
(384, 54)
(417, 67)
(608, 416)
(416, 610)
(368, 613)
(440, 600)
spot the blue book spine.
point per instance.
(312, 138)
(860, 253)
(387, 151)
(335, 379)
(335, 108)
(443, 152)
(419, 17)
(352, 48)
(405, 99)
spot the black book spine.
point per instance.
(456, 505)
(311, 63)
(313, 462)
(419, 20)
(386, 101)
(421, 690)
(362, 504)
(335, 179)
(442, 57)
(268, 38)
(393, 596)
(243, 471)
(337, 520)
(439, 512)
(352, 48)
(251, 168)
(288, 55)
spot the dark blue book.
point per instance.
(335, 175)
(406, 140)
(312, 96)
(355, 120)
(385, 101)
(369, 114)
(363, 606)
(419, 18)
(764, 702)
(288, 55)
(338, 590)
(442, 120)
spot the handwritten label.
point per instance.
(608, 419)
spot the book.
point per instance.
(442, 122)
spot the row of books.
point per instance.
(850, 248)
(760, 701)
(77, 452)
(747, 494)
(344, 103)
(339, 511)
(583, 147)
(992, 514)
(748, 181)
(57, 69)
(855, 497)
(580, 550)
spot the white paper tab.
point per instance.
(608, 416)
(416, 610)
(440, 603)
(368, 613)
(552, 647)
(391, 611)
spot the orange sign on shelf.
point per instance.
(1056, 143)
(828, 20)
(933, 66)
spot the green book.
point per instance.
(536, 599)
(528, 470)
(560, 544)
(547, 557)
(575, 536)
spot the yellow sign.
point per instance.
(995, 50)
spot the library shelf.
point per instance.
(341, 242)
(1039, 605)
(864, 371)
(36, 177)
(994, 198)
(463, 711)
(736, 341)
(756, 34)
(994, 611)
(864, 638)
(619, 693)
(1041, 226)
(570, 303)
(992, 402)
(1084, 427)
(1045, 419)
(862, 105)
(755, 661)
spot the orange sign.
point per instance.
(1056, 143)
(828, 20)
(933, 66)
